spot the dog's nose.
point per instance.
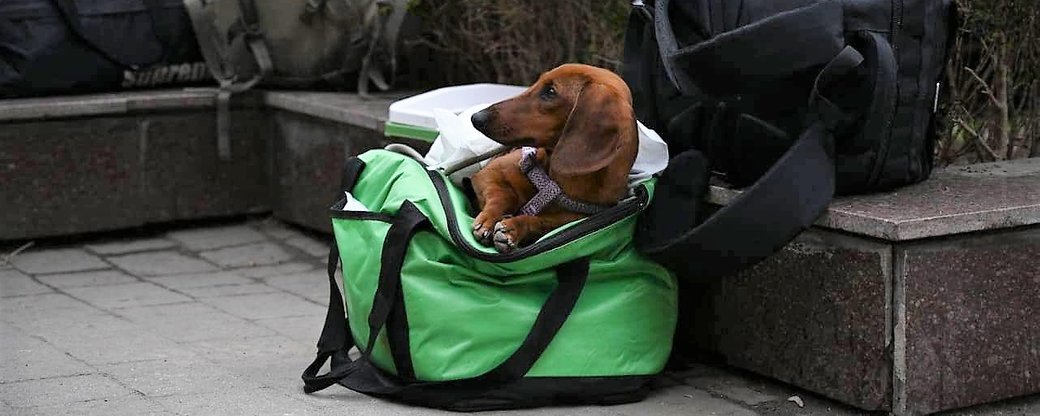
(480, 119)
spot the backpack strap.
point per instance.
(786, 200)
(747, 56)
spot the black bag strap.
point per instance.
(769, 49)
(786, 200)
(360, 375)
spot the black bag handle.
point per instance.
(769, 49)
(786, 200)
(360, 375)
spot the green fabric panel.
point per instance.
(468, 315)
(364, 237)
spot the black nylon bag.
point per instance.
(78, 46)
(793, 100)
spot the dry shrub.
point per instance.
(512, 41)
(994, 83)
(992, 103)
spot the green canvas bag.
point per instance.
(442, 321)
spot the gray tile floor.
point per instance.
(221, 320)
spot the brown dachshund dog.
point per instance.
(581, 121)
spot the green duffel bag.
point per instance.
(578, 317)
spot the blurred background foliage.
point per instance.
(991, 97)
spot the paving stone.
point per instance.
(300, 328)
(126, 295)
(276, 229)
(199, 280)
(248, 255)
(23, 358)
(273, 361)
(215, 237)
(164, 378)
(105, 339)
(309, 245)
(313, 285)
(130, 246)
(229, 290)
(57, 261)
(52, 391)
(276, 270)
(23, 307)
(160, 263)
(96, 278)
(736, 388)
(14, 283)
(239, 402)
(240, 352)
(121, 406)
(190, 322)
(264, 306)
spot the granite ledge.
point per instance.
(955, 200)
(69, 106)
(368, 112)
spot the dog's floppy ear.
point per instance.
(594, 132)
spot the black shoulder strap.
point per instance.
(786, 200)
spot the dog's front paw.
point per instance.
(505, 237)
(484, 228)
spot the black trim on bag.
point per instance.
(476, 392)
(587, 226)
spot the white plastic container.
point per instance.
(412, 117)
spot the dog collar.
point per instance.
(548, 190)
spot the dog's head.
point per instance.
(581, 114)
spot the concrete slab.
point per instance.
(126, 295)
(57, 261)
(266, 306)
(216, 237)
(121, 406)
(59, 390)
(191, 322)
(160, 263)
(199, 280)
(309, 245)
(15, 283)
(96, 278)
(28, 358)
(207, 292)
(277, 270)
(313, 285)
(132, 246)
(165, 378)
(248, 255)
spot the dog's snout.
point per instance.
(480, 120)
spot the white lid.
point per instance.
(417, 110)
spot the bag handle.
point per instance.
(360, 375)
(772, 48)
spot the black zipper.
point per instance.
(588, 226)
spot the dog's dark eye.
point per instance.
(548, 92)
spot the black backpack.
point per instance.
(80, 46)
(792, 100)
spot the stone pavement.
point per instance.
(220, 319)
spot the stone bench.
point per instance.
(79, 164)
(912, 301)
